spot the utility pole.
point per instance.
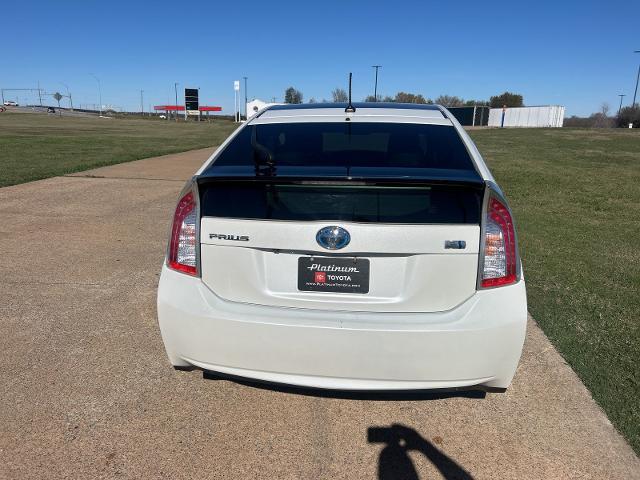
(175, 86)
(621, 95)
(99, 92)
(40, 94)
(637, 78)
(142, 102)
(375, 88)
(68, 94)
(245, 98)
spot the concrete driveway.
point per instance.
(86, 390)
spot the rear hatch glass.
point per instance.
(302, 201)
(417, 148)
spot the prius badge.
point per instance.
(333, 237)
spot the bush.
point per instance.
(628, 115)
(578, 122)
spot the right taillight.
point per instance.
(499, 258)
(182, 254)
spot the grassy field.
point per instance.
(576, 197)
(34, 146)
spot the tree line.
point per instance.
(602, 118)
(339, 95)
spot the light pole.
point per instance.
(99, 92)
(142, 102)
(637, 78)
(245, 97)
(375, 88)
(68, 94)
(621, 95)
(175, 86)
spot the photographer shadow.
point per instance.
(394, 461)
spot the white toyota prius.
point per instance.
(352, 247)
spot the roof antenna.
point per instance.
(350, 108)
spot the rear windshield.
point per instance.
(348, 144)
(415, 204)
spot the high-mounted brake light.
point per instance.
(182, 244)
(499, 258)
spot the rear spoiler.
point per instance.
(372, 175)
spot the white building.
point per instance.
(544, 116)
(255, 105)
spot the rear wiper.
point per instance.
(263, 159)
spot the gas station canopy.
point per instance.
(180, 108)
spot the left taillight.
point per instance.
(182, 255)
(499, 260)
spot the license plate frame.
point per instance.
(334, 274)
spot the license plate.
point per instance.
(328, 274)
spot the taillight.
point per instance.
(499, 258)
(182, 244)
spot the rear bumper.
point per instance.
(477, 343)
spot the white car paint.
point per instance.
(424, 323)
(407, 265)
(477, 343)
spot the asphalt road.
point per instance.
(86, 390)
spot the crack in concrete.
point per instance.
(77, 284)
(124, 178)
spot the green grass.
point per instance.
(34, 146)
(576, 197)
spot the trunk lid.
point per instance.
(412, 248)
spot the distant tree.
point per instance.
(599, 119)
(404, 97)
(291, 95)
(58, 96)
(371, 98)
(339, 95)
(312, 100)
(449, 101)
(390, 99)
(602, 119)
(579, 122)
(628, 115)
(507, 98)
(473, 103)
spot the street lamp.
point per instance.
(375, 88)
(99, 92)
(175, 86)
(621, 95)
(637, 78)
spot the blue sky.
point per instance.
(574, 53)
